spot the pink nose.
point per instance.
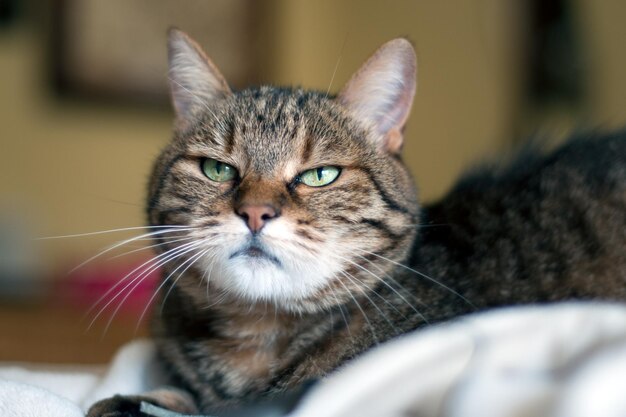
(256, 215)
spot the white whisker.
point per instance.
(343, 46)
(434, 281)
(343, 315)
(415, 310)
(101, 232)
(139, 279)
(191, 261)
(353, 279)
(122, 243)
(146, 272)
(369, 324)
(121, 281)
(208, 278)
(169, 242)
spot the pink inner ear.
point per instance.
(381, 92)
(393, 141)
(394, 115)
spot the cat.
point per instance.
(306, 244)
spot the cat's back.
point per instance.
(547, 226)
(595, 162)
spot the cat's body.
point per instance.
(311, 246)
(551, 228)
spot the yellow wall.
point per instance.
(69, 168)
(605, 46)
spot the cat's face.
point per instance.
(291, 197)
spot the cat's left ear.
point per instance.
(195, 82)
(380, 93)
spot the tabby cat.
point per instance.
(305, 243)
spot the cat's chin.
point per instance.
(260, 277)
(267, 269)
(253, 275)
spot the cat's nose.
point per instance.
(256, 216)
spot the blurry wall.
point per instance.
(604, 39)
(68, 166)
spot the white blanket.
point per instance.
(27, 391)
(566, 360)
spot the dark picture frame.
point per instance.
(115, 50)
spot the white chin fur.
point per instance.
(260, 279)
(299, 275)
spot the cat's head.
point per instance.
(293, 197)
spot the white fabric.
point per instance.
(45, 393)
(24, 400)
(566, 360)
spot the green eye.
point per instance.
(218, 171)
(318, 177)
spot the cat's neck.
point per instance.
(229, 317)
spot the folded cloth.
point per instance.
(50, 391)
(560, 360)
(72, 383)
(24, 400)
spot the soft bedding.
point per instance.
(562, 360)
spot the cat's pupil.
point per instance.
(319, 173)
(218, 167)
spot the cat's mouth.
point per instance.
(255, 250)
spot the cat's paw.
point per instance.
(118, 406)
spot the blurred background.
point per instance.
(84, 111)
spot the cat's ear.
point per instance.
(195, 82)
(381, 92)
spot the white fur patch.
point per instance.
(299, 274)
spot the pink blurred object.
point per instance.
(102, 286)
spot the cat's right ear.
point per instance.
(195, 82)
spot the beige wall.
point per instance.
(605, 46)
(75, 167)
(69, 168)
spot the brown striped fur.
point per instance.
(547, 227)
